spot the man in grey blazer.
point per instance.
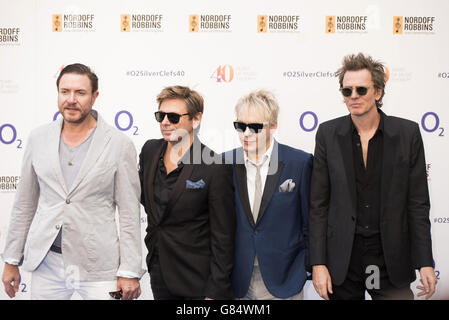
(75, 172)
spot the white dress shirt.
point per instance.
(251, 172)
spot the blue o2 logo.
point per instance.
(437, 272)
(8, 135)
(305, 119)
(22, 286)
(430, 122)
(124, 121)
(56, 115)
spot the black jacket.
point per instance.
(195, 236)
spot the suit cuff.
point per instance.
(130, 274)
(13, 262)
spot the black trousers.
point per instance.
(367, 272)
(158, 286)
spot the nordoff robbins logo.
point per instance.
(413, 24)
(210, 23)
(141, 22)
(8, 183)
(72, 22)
(9, 35)
(346, 24)
(277, 23)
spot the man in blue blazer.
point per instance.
(272, 184)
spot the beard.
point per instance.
(82, 117)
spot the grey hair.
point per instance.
(263, 100)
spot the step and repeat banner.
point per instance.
(225, 49)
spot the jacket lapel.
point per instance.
(390, 152)
(100, 139)
(179, 188)
(54, 141)
(150, 176)
(274, 172)
(345, 142)
(242, 186)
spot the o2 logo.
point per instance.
(429, 128)
(56, 115)
(22, 286)
(223, 73)
(437, 272)
(10, 138)
(304, 121)
(130, 121)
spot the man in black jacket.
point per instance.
(369, 210)
(188, 196)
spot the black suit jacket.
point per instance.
(404, 216)
(195, 236)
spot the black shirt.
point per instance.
(164, 183)
(368, 181)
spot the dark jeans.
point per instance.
(367, 255)
(158, 286)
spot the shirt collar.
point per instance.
(180, 161)
(380, 127)
(264, 158)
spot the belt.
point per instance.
(55, 249)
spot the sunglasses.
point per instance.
(254, 127)
(116, 294)
(172, 117)
(347, 91)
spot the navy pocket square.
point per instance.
(195, 184)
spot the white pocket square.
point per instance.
(287, 186)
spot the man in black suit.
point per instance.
(369, 210)
(188, 196)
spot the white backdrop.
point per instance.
(290, 47)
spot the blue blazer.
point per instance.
(280, 236)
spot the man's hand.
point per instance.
(428, 281)
(130, 288)
(10, 279)
(322, 281)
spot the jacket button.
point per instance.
(256, 232)
(67, 201)
(57, 227)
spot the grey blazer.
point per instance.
(93, 248)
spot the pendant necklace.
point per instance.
(72, 155)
